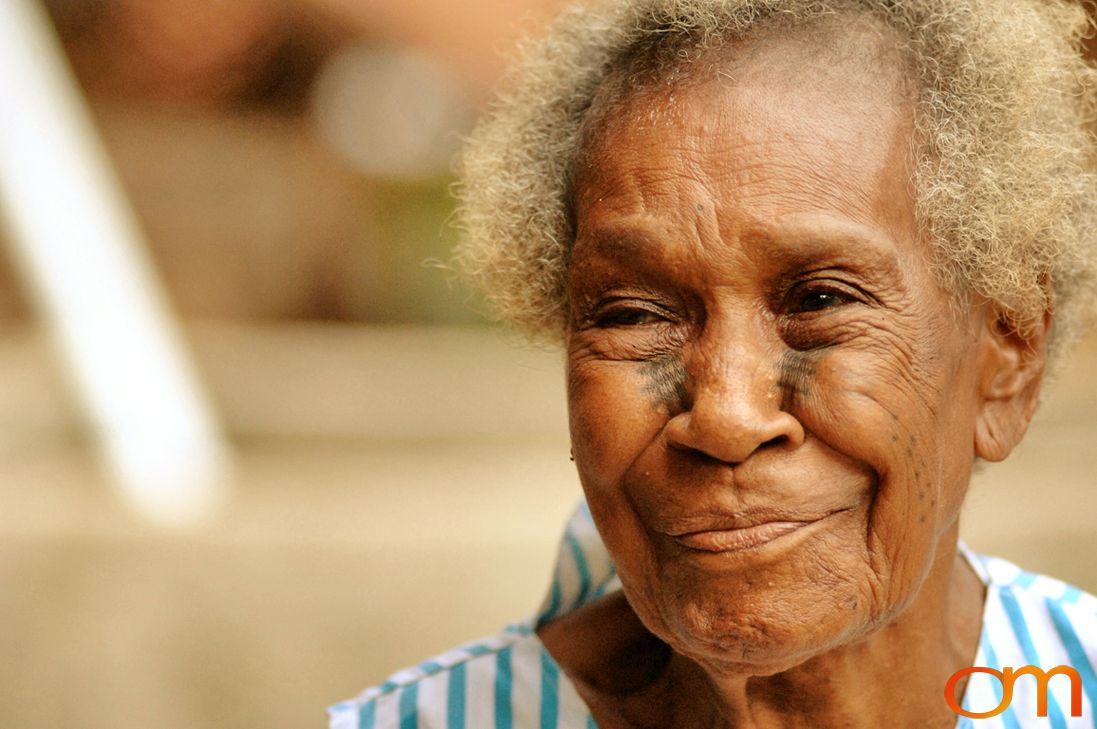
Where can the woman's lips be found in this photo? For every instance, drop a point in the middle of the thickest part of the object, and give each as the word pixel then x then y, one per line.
pixel 734 540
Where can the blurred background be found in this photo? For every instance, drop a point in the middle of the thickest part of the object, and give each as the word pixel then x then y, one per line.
pixel 380 472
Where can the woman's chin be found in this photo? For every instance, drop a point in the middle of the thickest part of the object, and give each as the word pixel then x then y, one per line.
pixel 760 642
pixel 743 656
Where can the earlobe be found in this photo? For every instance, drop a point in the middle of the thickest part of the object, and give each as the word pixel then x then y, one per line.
pixel 1012 360
pixel 997 431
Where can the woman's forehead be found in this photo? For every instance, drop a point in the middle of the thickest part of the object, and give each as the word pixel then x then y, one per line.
pixel 751 151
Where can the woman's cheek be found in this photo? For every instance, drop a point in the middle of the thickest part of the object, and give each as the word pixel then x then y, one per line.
pixel 883 414
pixel 611 418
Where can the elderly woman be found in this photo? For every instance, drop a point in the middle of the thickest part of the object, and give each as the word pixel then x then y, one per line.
pixel 809 260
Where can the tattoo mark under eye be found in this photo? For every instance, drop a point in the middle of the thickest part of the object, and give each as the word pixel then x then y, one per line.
pixel 795 371
pixel 666 382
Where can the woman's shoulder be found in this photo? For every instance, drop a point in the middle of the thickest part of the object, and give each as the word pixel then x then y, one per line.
pixel 1001 575
pixel 506 680
pixel 431 693
pixel 1034 619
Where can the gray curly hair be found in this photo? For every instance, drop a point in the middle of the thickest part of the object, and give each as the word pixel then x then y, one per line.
pixel 1003 160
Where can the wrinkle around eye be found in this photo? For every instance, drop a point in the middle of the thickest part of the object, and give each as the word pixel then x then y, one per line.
pixel 832 327
pixel 638 342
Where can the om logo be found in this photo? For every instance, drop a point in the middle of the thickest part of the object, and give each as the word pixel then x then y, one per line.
pixel 1007 676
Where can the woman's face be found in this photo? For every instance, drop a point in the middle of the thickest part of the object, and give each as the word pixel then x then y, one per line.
pixel 772 401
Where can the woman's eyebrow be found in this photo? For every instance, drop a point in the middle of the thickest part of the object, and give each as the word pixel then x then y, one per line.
pixel 620 248
pixel 617 241
pixel 809 249
pixel 788 247
pixel 827 241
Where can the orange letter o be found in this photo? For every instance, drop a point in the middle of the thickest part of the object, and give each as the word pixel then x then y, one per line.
pixel 950 693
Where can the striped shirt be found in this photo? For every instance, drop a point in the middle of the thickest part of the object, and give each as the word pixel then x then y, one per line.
pixel 509 680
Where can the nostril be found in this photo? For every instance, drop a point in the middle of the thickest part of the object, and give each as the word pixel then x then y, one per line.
pixel 775 441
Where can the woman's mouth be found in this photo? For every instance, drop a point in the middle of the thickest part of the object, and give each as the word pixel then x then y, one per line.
pixel 734 540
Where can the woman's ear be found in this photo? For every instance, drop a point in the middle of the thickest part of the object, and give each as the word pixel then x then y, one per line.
pixel 1012 360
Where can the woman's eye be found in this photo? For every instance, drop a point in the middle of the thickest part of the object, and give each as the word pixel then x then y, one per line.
pixel 627 317
pixel 817 299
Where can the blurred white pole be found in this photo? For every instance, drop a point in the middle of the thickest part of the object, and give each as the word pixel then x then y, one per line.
pixel 77 243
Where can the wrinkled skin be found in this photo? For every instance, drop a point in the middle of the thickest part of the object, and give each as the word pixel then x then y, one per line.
pixel 757 339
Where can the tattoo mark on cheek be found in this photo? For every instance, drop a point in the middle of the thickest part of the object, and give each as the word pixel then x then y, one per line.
pixel 666 382
pixel 795 371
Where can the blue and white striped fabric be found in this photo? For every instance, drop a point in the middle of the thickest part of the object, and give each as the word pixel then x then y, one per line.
pixel 509 681
pixel 1032 620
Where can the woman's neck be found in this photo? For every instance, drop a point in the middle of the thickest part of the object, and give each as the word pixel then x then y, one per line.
pixel 894 677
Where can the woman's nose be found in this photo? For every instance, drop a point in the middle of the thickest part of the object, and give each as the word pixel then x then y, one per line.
pixel 735 406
